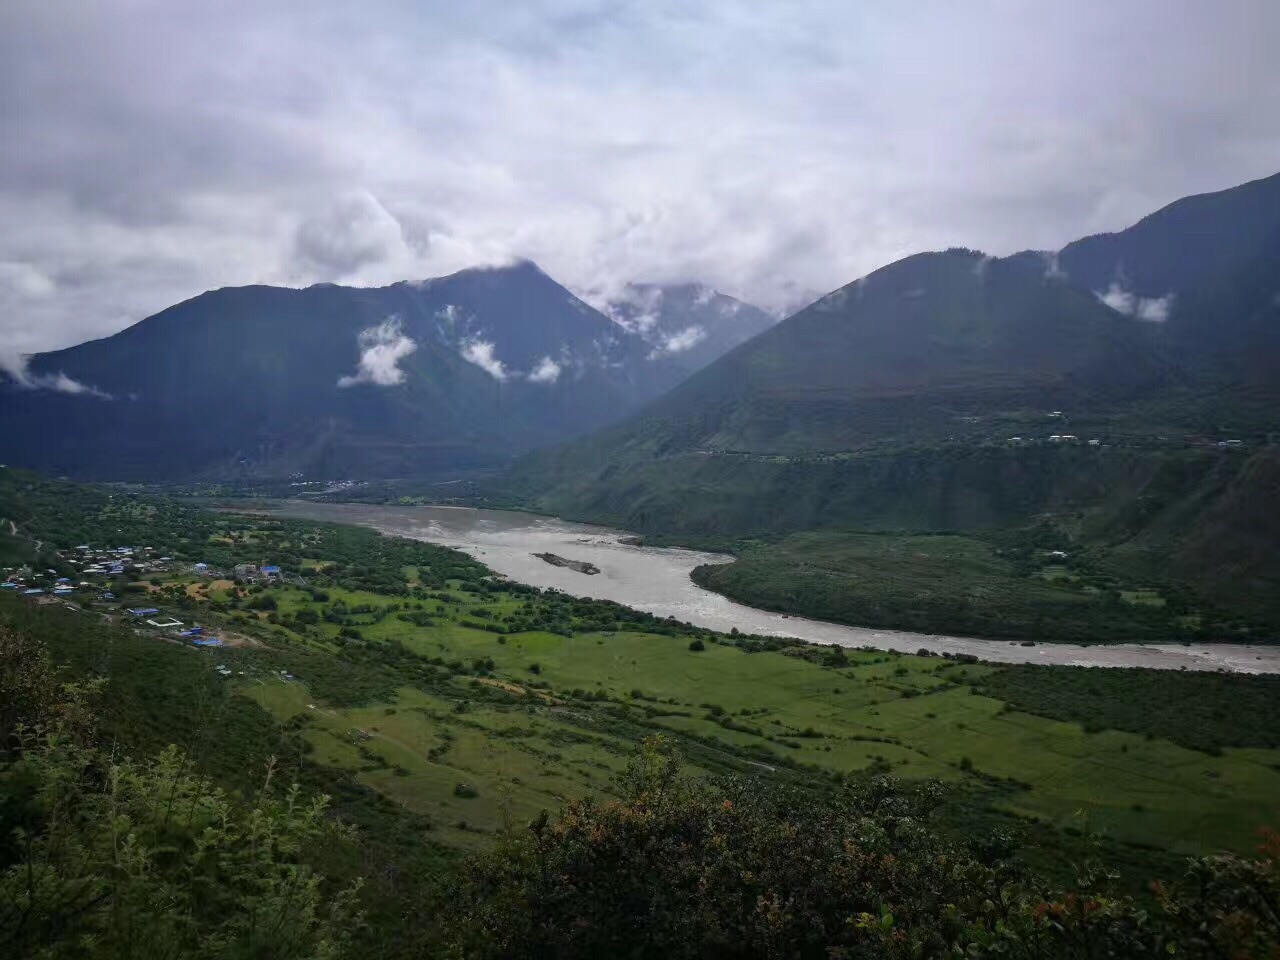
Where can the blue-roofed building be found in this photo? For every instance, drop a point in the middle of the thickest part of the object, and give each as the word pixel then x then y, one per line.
pixel 8 585
pixel 62 591
pixel 271 570
pixel 143 611
pixel 32 592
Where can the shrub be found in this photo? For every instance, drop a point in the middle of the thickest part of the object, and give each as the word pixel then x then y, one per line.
pixel 684 869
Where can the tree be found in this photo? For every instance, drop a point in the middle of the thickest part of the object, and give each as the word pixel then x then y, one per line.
pixel 746 869
pixel 697 646
pixel 108 856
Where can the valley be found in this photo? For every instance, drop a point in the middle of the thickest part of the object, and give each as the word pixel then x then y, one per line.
pixel 578 480
pixel 657 580
pixel 407 670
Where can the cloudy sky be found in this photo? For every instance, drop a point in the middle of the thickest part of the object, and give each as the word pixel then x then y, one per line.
pixel 154 149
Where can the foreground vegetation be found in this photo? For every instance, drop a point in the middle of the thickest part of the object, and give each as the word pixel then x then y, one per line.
pixel 442 711
pixel 107 855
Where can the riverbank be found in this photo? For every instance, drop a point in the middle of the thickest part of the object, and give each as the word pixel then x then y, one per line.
pixel 656 580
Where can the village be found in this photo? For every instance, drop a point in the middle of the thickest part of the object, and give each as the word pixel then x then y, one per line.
pixel 108 579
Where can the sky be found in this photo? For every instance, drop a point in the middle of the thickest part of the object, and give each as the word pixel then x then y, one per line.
pixel 154 149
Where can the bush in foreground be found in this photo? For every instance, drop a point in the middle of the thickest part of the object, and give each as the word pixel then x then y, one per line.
pixel 737 870
pixel 103 856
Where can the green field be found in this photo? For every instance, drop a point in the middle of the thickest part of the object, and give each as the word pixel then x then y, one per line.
pixel 919 717
pixel 406 680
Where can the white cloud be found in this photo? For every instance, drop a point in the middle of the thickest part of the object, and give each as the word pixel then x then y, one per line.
pixel 678 342
pixel 1052 269
pixel 480 352
pixel 1119 299
pixel 546 371
pixel 1152 309
pixel 16 366
pixel 26 280
pixel 381 350
pixel 354 231
pixel 1155 309
pixel 319 144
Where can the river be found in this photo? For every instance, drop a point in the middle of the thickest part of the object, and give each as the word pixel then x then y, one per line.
pixel 656 580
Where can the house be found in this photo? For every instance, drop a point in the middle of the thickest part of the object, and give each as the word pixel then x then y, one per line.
pixel 143 611
pixel 8 585
pixel 270 570
pixel 169 624
pixel 201 568
pixel 31 592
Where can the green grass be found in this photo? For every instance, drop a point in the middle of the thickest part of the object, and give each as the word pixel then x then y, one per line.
pixel 918 717
pixel 411 645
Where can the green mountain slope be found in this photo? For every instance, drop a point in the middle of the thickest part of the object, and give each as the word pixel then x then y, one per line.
pixel 927 396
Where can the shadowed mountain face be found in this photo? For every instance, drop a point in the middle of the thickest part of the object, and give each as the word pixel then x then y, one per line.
pixel 934 394
pixel 1173 324
pixel 1207 268
pixel 912 350
pixel 333 381
pixel 690 324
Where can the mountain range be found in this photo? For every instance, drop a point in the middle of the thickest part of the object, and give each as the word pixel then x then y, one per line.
pixel 335 381
pixel 1126 386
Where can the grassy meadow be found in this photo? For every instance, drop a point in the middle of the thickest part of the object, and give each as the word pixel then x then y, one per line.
pixel 435 700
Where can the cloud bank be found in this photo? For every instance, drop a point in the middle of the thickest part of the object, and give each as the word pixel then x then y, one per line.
pixel 773 151
pixel 381 350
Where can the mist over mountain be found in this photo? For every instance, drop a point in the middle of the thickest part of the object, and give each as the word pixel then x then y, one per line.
pixel 330 380
pixel 689 323
pixel 1129 383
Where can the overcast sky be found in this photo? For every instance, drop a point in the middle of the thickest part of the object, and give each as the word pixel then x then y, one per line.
pixel 153 149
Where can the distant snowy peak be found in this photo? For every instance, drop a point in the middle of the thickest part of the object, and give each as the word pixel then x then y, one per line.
pixel 689 323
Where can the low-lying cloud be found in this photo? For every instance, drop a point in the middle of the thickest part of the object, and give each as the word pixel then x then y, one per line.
pixel 679 342
pixel 480 352
pixel 545 371
pixel 16 367
pixel 1151 309
pixel 381 350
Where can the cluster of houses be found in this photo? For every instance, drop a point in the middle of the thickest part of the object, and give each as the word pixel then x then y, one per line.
pixel 253 573
pixel 91 565
pixel 1055 438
